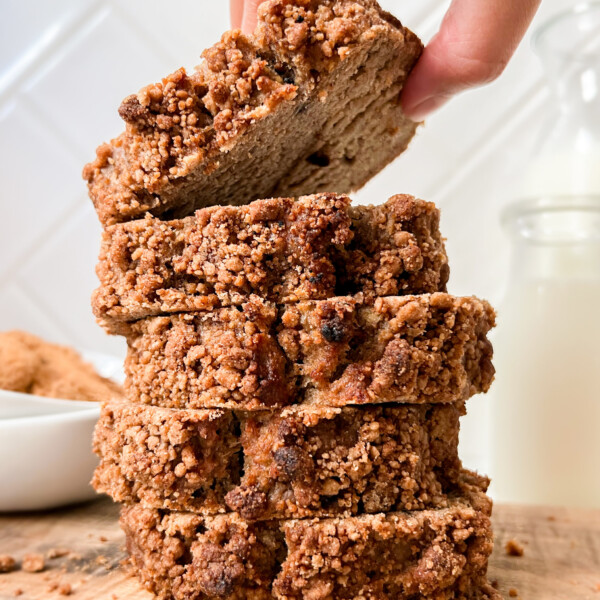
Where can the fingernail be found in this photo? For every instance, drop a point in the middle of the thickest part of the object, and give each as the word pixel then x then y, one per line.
pixel 426 107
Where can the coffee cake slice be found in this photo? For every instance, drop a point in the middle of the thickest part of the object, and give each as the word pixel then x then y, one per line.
pixel 309 103
pixel 298 462
pixel 431 348
pixel 432 554
pixel 280 249
pixel 162 457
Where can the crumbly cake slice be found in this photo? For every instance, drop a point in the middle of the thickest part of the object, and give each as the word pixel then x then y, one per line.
pixel 312 461
pixel 163 457
pixel 294 463
pixel 282 249
pixel 433 554
pixel 431 348
pixel 309 103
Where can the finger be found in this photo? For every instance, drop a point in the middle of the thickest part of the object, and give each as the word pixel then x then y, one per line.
pixel 236 12
pixel 250 13
pixel 474 44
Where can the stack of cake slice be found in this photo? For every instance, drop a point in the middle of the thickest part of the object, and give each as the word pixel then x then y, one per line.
pixel 296 370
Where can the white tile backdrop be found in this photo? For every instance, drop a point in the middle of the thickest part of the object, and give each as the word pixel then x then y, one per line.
pixel 65 65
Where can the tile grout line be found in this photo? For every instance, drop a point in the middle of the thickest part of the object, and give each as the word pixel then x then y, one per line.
pixel 31 291
pixel 53 318
pixel 18 96
pixel 48 318
pixel 10 85
pixel 142 31
pixel 25 100
pixel 69 212
pixel 13 91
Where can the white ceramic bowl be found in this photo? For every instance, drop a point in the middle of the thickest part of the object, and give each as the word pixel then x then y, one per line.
pixel 46 457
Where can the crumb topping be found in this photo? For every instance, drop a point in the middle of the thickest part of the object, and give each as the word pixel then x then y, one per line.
pixel 336 352
pixel 283 250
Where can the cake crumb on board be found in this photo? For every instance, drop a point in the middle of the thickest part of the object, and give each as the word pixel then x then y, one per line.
pixel 33 563
pixel 514 548
pixel 65 589
pixel 7 563
pixel 57 552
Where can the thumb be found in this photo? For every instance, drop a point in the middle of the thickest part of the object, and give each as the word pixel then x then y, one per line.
pixel 474 44
pixel 249 15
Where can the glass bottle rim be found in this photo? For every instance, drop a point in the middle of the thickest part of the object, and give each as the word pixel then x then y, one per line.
pixel 589 7
pixel 548 219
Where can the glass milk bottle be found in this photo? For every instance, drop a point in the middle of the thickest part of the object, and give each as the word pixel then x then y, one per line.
pixel 546 401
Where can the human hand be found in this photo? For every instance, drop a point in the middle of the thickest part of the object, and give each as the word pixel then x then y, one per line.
pixel 476 40
pixel 243 14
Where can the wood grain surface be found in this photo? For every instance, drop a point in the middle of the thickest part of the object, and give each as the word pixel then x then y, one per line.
pixel 561 557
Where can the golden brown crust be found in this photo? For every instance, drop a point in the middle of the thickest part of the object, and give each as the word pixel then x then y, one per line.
pixel 439 554
pixel 296 463
pixel 281 249
pixel 324 92
pixel 431 348
pixel 31 365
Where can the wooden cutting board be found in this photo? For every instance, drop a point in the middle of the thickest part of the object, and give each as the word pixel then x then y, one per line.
pixel 561 554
